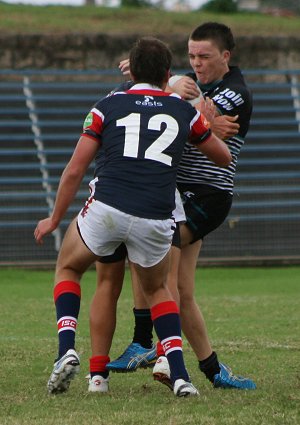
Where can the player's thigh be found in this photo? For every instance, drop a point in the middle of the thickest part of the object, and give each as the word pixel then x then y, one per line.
pixel 110 272
pixel 187 268
pixel 110 278
pixel 153 279
pixel 172 280
pixel 111 268
pixel 139 299
pixel 74 257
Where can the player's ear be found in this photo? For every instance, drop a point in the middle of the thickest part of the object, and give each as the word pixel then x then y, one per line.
pixel 166 79
pixel 226 56
pixel 168 75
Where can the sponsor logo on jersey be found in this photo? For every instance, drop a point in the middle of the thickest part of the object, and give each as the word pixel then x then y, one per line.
pixel 148 101
pixel 228 99
pixel 88 121
pixel 188 194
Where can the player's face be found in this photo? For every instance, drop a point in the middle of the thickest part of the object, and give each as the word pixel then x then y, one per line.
pixel 208 63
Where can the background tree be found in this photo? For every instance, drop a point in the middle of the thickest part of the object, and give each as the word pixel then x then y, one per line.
pixel 135 3
pixel 220 6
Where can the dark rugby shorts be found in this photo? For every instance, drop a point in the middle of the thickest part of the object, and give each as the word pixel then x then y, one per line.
pixel 206 208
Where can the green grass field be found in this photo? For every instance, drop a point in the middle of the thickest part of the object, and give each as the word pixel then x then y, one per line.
pixel 27 19
pixel 253 319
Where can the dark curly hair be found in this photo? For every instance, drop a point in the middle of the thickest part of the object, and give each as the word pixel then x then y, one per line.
pixel 150 61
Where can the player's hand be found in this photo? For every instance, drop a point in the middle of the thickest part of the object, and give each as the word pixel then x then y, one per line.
pixel 225 126
pixel 207 107
pixel 124 67
pixel 43 228
pixel 186 88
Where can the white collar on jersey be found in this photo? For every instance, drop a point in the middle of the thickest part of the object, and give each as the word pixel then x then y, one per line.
pixel 145 86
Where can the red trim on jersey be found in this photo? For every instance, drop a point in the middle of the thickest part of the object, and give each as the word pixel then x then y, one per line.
pixel 200 131
pixel 161 309
pixel 97 123
pixel 66 286
pixel 89 136
pixel 98 363
pixel 148 92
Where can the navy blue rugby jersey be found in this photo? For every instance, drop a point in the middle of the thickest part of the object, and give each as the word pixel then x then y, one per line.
pixel 231 97
pixel 142 132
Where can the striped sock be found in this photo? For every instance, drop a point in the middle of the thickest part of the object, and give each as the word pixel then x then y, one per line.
pixel 67 302
pixel 166 321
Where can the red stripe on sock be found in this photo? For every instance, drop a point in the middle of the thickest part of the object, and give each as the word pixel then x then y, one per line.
pixel 66 286
pixel 67 323
pixel 171 344
pixel 163 308
pixel 98 363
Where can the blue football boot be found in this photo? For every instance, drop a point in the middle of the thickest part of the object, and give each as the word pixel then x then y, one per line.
pixel 226 379
pixel 134 356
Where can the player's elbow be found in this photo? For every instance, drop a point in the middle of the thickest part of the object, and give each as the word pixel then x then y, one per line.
pixel 224 160
pixel 73 173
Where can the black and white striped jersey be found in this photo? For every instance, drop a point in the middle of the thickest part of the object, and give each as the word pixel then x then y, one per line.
pixel 232 97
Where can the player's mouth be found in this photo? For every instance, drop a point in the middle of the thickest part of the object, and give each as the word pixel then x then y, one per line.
pixel 201 76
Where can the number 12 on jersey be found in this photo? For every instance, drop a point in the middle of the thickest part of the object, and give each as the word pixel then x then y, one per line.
pixel 132 124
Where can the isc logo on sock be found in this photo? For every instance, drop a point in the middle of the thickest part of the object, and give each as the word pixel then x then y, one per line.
pixel 172 344
pixel 66 323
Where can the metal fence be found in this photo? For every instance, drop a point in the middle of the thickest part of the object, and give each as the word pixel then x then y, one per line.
pixel 41 119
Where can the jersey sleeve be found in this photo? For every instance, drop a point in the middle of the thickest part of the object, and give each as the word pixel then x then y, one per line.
pixel 199 130
pixel 93 124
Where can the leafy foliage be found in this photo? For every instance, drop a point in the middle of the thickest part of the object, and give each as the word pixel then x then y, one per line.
pixel 220 6
pixel 135 3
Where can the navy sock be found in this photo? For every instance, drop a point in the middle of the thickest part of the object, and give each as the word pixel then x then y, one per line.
pixel 67 303
pixel 167 325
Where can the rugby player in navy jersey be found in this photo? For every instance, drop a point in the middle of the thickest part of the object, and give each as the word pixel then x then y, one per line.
pixel 142 132
pixel 207 194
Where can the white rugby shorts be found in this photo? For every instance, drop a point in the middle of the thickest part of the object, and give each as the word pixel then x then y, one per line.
pixel 103 228
pixel 178 213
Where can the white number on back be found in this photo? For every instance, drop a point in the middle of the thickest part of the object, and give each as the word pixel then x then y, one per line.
pixel 154 152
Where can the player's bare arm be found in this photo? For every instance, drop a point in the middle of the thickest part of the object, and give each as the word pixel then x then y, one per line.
pixel 216 151
pixel 71 178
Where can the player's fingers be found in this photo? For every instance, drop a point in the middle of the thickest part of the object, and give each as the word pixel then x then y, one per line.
pixel 38 235
pixel 232 119
pixel 124 66
pixel 39 239
pixel 191 86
